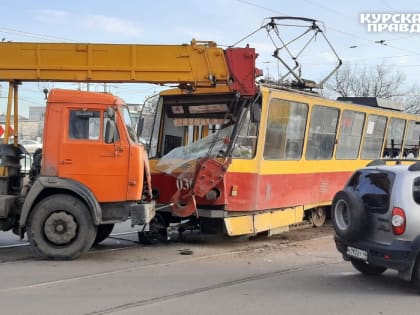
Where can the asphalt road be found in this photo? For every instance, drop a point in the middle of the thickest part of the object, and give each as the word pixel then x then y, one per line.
pixel 295 273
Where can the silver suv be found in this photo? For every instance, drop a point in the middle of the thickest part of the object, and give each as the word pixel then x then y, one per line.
pixel 376 218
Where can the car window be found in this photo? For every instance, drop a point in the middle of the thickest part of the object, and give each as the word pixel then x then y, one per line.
pixel 416 190
pixel 374 188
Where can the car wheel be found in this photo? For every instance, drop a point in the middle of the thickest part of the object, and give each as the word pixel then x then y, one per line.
pixel 366 268
pixel 61 227
pixel 348 215
pixel 415 278
pixel 103 231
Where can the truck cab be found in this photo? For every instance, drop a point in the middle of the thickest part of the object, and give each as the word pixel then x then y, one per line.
pixel 93 174
pixel 81 145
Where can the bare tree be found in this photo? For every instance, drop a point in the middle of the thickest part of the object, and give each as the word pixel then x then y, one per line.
pixel 379 81
pixel 411 100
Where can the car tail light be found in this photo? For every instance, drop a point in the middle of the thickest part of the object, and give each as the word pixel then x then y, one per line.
pixel 398 221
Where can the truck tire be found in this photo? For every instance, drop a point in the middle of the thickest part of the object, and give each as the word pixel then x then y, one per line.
pixel 103 232
pixel 348 215
pixel 60 227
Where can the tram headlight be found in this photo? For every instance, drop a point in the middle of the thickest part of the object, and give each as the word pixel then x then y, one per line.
pixel 213 194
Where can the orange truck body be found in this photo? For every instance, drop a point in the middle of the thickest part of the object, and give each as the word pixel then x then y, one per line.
pixel 113 172
pixel 93 174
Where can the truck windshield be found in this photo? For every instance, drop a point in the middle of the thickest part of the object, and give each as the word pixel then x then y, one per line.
pixel 129 124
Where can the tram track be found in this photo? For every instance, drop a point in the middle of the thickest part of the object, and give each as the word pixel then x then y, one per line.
pixel 151 265
pixel 120 270
pixel 164 298
pixel 114 236
pixel 11 257
pixel 164 262
pixel 14 245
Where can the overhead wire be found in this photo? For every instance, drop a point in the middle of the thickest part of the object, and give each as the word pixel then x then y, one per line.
pixel 260 6
pixel 337 30
pixel 33 35
pixel 328 8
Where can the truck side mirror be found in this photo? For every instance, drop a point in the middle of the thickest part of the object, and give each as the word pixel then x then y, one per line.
pixel 110 130
pixel 139 127
pixel 110 112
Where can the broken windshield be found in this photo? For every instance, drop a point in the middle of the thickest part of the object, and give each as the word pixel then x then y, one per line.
pixel 215 145
pixel 182 158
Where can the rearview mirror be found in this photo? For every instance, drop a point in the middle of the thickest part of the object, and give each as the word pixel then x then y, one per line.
pixel 110 130
pixel 139 127
pixel 110 112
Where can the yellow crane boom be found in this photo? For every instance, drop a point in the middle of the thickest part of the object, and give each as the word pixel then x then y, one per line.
pixel 199 64
pixel 195 65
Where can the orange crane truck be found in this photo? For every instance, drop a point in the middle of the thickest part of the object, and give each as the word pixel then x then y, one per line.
pixel 93 172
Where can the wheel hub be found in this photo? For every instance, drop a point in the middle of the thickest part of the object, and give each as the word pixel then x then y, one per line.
pixel 60 228
pixel 341 214
pixel 319 216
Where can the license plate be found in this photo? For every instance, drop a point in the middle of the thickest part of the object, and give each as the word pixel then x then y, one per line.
pixel 357 253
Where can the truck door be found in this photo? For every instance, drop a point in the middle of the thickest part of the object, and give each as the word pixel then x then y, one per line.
pixel 85 156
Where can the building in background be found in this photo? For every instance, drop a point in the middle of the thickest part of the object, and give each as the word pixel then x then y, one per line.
pixel 36 113
pixel 32 127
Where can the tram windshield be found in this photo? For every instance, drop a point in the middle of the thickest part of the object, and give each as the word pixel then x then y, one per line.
pixel 208 126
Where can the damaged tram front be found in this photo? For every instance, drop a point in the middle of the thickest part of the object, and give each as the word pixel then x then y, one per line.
pixel 193 141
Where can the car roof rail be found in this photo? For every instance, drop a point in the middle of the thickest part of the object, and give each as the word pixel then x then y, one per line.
pixel 379 162
pixel 376 162
pixel 414 166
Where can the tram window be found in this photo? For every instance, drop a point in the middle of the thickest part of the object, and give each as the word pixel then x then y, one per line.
pixel 411 147
pixel 247 139
pixel 373 137
pixel 350 135
pixel 322 133
pixel 285 130
pixel 394 138
pixel 173 136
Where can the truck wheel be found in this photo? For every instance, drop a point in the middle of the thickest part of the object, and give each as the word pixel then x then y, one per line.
pixel 103 232
pixel 348 215
pixel 367 269
pixel 61 227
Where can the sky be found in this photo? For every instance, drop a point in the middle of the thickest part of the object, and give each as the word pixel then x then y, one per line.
pixel 224 21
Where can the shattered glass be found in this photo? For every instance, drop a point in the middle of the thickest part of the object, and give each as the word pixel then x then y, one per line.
pixel 183 159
